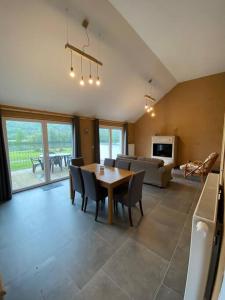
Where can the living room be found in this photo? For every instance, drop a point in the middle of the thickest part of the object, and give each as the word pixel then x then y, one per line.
pixel 89 89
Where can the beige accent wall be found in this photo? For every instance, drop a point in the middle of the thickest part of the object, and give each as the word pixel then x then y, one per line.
pixel 131 130
pixel 87 139
pixel 194 111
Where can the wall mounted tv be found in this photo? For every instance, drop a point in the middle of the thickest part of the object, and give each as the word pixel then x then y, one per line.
pixel 163 150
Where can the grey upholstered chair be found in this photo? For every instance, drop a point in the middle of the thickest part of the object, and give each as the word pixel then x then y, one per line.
pixel 122 164
pixel 109 162
pixel 79 161
pixel 78 183
pixel 129 197
pixel 93 190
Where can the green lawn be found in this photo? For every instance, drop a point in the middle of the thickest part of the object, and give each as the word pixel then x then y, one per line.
pixel 20 160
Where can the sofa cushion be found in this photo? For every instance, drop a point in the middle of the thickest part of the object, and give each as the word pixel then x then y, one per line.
pixel 153 161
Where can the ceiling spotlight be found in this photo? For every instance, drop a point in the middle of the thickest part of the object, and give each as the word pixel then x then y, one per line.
pixel 82 81
pixel 98 82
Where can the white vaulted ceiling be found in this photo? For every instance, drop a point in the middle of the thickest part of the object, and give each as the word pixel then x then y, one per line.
pixel 168 41
pixel 188 36
pixel 34 65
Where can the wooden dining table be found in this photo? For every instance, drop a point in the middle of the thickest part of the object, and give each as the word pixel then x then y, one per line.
pixel 108 178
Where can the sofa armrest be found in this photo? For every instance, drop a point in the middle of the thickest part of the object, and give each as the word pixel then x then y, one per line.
pixel 166 168
pixel 165 173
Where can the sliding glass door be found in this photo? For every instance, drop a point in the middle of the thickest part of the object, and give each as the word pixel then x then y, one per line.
pixel 59 149
pixel 39 152
pixel 25 153
pixel 111 142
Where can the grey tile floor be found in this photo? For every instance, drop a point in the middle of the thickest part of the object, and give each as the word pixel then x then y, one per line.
pixel 49 249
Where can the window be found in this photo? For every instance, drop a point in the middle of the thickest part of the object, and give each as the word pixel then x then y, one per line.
pixel 111 142
pixel 38 151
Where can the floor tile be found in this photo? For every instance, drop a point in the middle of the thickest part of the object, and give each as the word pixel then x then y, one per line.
pixel 101 287
pixel 48 281
pixel 169 217
pixel 157 237
pixel 83 257
pixel 166 293
pixel 130 269
pixel 176 275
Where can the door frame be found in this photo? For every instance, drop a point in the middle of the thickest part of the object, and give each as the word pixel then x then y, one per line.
pixel 45 151
pixel 110 137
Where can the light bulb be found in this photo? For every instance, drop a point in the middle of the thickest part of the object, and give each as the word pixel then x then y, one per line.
pixel 146 106
pixel 148 110
pixel 153 114
pixel 90 80
pixel 98 82
pixel 82 81
pixel 72 74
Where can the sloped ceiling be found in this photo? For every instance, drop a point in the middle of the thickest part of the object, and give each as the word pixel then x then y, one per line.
pixel 34 65
pixel 188 36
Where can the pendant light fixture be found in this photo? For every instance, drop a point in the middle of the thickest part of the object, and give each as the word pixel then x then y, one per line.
pixel 98 82
pixel 81 70
pixel 149 103
pixel 90 80
pixel 72 74
pixel 83 55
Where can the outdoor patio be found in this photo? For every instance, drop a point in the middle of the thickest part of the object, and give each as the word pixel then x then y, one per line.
pixel 26 177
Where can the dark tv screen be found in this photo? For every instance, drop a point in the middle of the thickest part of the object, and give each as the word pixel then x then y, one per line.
pixel 164 150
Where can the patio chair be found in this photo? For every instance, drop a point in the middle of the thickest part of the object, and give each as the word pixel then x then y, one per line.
pixel 35 163
pixel 199 168
pixel 55 161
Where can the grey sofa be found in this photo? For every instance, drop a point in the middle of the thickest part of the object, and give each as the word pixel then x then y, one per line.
pixel 156 173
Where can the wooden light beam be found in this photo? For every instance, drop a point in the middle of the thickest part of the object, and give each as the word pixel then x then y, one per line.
pixel 82 53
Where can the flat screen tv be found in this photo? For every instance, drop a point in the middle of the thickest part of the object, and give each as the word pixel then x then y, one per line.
pixel 163 150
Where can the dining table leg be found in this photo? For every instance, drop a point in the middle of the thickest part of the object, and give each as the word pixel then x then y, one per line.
pixel 110 205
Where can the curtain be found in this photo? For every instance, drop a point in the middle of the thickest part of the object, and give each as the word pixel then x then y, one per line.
pixel 96 142
pixel 125 131
pixel 76 137
pixel 5 184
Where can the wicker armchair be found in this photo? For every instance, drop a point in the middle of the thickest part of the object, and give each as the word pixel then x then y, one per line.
pixel 199 168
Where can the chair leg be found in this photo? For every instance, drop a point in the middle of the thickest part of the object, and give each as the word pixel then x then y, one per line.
pixel 85 205
pixel 130 216
pixel 73 198
pixel 141 209
pixel 114 206
pixel 96 212
pixel 83 200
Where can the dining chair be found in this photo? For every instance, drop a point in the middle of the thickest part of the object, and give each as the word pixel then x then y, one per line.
pixel 122 164
pixel 79 161
pixel 109 162
pixel 78 183
pixel 129 197
pixel 93 190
